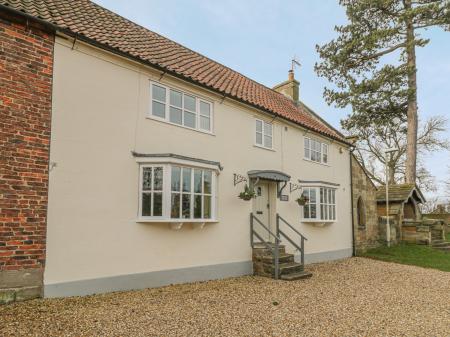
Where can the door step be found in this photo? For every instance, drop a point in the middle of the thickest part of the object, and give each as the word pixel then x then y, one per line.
pixel 296 276
pixel 264 264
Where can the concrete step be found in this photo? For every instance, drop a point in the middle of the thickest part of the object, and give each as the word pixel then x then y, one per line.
pixel 270 259
pixel 437 241
pixel 444 249
pixel 296 276
pixel 285 268
pixel 441 244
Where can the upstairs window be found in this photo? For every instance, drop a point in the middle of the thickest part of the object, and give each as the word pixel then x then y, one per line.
pixel 264 136
pixel 321 204
pixel 316 151
pixel 176 107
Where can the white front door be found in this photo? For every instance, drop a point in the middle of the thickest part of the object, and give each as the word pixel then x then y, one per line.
pixel 261 209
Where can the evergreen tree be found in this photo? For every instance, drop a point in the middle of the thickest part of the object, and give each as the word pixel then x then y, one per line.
pixel 372 63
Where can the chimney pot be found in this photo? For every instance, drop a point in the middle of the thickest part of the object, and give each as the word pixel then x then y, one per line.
pixel 291 75
pixel 289 88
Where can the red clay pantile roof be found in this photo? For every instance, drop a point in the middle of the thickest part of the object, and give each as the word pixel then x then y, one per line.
pixel 94 23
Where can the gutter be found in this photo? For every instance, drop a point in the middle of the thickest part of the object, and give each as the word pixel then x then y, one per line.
pixel 352 203
pixel 110 49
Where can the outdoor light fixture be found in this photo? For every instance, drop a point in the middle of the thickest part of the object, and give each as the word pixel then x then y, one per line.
pixel 388 225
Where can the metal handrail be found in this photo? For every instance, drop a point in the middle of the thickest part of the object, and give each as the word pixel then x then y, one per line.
pixel 291 227
pixel 275 250
pixel 301 248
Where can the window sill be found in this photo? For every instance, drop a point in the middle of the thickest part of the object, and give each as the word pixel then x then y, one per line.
pixel 316 162
pixel 175 220
pixel 319 223
pixel 177 224
pixel 264 148
pixel 162 120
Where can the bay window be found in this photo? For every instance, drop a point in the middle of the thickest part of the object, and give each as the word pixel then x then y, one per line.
pixel 177 107
pixel 320 205
pixel 176 192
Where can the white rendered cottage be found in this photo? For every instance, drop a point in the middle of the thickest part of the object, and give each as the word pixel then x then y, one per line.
pixel 152 143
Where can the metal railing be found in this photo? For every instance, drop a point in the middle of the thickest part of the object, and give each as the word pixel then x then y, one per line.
pixel 279 233
pixel 275 248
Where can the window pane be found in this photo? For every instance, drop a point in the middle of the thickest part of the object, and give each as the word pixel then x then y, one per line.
pixel 259 126
pixel 197 206
pixel 333 196
pixel 157 204
pixel 189 119
pixel 322 214
pixel 147 178
pixel 186 206
pixel 207 181
pixel 175 206
pixel 307 146
pixel 205 109
pixel 313 211
pixel 198 181
pixel 268 141
pixel 189 103
pixel 205 123
pixel 259 138
pixel 186 179
pixel 176 98
pixel 175 115
pixel 307 154
pixel 176 181
pixel 321 195
pixel 325 158
pixel 268 129
pixel 158 109
pixel 159 93
pixel 313 195
pixel 146 204
pixel 207 207
pixel 158 176
pixel 306 211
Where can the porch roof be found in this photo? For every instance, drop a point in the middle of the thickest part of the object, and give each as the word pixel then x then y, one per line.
pixel 269 175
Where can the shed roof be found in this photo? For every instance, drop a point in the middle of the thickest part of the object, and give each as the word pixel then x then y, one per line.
pixel 400 193
pixel 96 25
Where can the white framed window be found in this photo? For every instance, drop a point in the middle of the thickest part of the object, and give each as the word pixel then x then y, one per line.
pixel 316 151
pixel 175 192
pixel 177 107
pixel 321 204
pixel 264 134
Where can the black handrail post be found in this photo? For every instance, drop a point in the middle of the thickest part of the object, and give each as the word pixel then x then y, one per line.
pixel 251 230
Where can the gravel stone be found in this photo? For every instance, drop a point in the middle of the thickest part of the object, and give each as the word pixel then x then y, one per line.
pixel 351 297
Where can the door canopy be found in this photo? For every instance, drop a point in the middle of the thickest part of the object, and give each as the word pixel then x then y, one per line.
pixel 269 175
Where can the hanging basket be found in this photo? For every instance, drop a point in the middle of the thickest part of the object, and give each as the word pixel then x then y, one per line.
pixel 247 194
pixel 302 200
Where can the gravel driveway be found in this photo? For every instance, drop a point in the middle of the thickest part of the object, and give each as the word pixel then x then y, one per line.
pixel 352 297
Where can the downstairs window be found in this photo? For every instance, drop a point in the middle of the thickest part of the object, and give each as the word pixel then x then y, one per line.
pixel 176 192
pixel 321 204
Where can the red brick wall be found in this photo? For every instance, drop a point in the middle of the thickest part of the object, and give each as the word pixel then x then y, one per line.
pixel 26 67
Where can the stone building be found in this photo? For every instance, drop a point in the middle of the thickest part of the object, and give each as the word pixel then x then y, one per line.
pixel 404 211
pixel 365 218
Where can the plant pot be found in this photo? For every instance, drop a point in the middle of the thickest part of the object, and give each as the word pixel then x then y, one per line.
pixel 245 197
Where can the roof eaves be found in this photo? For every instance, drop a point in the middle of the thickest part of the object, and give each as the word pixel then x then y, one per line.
pixel 83 38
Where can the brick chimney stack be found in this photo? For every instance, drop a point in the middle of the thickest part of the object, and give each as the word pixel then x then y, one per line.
pixel 289 88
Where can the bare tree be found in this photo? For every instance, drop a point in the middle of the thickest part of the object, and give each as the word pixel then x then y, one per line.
pixel 373 140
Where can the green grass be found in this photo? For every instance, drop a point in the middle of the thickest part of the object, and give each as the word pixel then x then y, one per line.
pixel 417 255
